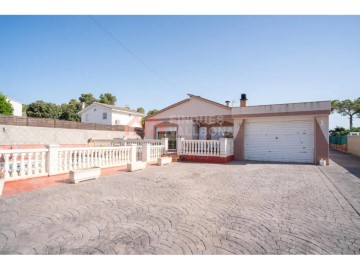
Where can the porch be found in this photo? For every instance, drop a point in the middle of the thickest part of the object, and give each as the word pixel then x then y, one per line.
pixel 212 151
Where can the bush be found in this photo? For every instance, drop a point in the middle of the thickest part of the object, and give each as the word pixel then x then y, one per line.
pixel 340 131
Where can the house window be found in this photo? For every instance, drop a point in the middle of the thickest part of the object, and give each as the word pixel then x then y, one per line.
pixel 104 115
pixel 86 117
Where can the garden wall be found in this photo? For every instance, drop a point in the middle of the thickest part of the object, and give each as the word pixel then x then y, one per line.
pixel 353 146
pixel 10 135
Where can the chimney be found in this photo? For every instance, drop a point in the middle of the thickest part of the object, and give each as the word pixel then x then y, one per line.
pixel 227 103
pixel 243 100
pixel 83 105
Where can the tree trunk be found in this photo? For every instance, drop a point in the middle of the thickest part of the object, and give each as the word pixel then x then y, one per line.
pixel 351 121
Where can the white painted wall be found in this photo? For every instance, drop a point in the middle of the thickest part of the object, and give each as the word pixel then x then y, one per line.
pixel 17 107
pixel 123 118
pixel 95 115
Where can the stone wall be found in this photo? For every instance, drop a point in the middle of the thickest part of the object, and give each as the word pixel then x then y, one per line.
pixel 353 146
pixel 40 135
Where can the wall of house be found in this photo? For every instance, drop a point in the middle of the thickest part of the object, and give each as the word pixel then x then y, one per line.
pixel 40 135
pixel 125 119
pixel 184 128
pixel 194 107
pixel 183 115
pixel 354 145
pixel 95 115
pixel 284 108
pixel 17 107
pixel 321 131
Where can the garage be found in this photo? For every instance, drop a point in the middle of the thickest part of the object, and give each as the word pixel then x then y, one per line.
pixel 279 141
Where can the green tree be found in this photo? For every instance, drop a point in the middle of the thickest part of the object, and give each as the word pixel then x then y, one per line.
pixel 42 109
pixel 338 131
pixel 88 98
pixel 70 111
pixel 108 98
pixel 140 110
pixel 347 107
pixel 149 113
pixel 24 108
pixel 5 106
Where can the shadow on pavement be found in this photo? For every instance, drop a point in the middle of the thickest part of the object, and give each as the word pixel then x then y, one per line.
pixel 349 162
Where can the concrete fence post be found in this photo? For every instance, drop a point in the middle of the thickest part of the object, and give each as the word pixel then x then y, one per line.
pixel 165 142
pixel 224 145
pixel 146 152
pixel 179 145
pixel 133 153
pixel 52 159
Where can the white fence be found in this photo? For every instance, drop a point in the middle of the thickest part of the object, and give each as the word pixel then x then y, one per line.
pixel 141 142
pixel 201 148
pixel 20 164
pixel 156 151
pixel 81 158
pixel 23 164
pixel 220 148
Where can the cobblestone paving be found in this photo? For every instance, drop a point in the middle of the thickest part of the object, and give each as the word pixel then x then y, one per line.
pixel 344 174
pixel 185 208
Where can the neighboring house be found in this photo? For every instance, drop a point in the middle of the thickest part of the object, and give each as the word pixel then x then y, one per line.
pixel 292 132
pixel 101 113
pixel 17 107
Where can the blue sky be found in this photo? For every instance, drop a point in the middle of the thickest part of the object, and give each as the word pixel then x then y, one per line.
pixel 273 59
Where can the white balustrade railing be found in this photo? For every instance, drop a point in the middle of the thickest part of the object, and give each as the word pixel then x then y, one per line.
pixel 139 150
pixel 201 147
pixel 143 141
pixel 156 151
pixel 221 148
pixel 20 164
pixel 88 157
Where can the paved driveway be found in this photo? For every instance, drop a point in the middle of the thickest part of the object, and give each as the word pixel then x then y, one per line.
pixel 186 208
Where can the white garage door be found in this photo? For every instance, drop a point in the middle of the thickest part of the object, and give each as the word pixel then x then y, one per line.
pixel 283 141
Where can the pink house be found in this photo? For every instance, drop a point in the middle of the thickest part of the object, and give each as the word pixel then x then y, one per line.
pixel 291 132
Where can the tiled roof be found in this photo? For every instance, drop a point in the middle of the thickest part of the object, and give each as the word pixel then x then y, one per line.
pixel 117 107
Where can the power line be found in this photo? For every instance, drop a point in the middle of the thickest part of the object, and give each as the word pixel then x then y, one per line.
pixel 131 52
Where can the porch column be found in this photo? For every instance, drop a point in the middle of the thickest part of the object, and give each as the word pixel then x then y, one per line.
pixel 179 145
pixel 145 156
pixel 224 147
